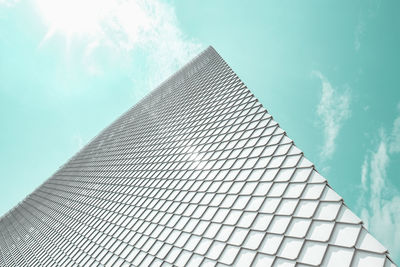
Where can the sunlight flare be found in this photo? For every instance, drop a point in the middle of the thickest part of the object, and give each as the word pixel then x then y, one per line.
pixel 96 18
pixel 73 16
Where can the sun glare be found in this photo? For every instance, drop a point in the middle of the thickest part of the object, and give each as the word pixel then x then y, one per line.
pixel 98 18
pixel 72 16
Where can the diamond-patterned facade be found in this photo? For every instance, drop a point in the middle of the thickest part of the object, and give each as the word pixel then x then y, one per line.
pixel 197 173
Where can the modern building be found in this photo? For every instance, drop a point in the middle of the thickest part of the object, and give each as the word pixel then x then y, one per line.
pixel 196 173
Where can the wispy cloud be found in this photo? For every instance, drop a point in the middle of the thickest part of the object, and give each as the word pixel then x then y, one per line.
pixel 364 174
pixel 358 33
pixel 333 109
pixel 380 202
pixel 366 14
pixel 150 28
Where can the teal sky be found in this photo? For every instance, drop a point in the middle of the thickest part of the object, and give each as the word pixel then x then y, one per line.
pixel 326 70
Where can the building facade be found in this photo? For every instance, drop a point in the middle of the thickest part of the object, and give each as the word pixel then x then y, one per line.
pixel 197 173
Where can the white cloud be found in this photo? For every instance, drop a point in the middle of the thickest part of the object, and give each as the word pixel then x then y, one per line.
pixel 161 39
pixel 380 201
pixel 333 109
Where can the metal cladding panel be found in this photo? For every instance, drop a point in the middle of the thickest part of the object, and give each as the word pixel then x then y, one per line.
pixel 197 173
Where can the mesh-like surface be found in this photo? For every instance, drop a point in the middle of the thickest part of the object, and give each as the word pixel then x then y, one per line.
pixel 196 173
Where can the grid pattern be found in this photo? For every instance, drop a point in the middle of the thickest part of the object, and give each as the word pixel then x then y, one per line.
pixel 197 173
